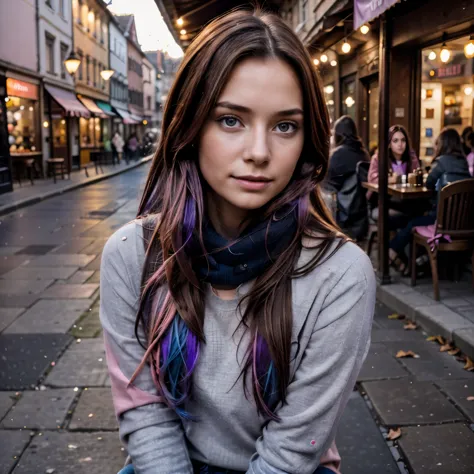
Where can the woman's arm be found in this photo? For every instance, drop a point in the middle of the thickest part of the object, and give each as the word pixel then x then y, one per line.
pixel 374 170
pixel 151 431
pixel 436 172
pixel 335 177
pixel 324 380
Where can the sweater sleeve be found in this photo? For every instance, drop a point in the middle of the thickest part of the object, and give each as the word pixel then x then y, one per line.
pixel 435 173
pixel 151 431
pixel 324 380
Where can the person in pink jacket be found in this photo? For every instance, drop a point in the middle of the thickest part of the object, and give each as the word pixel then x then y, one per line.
pixel 403 159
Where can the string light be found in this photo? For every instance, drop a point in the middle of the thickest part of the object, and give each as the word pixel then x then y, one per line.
pixel 364 29
pixel 445 54
pixel 432 56
pixel 324 58
pixel 180 22
pixel 333 63
pixel 182 32
pixel 346 47
pixel 469 48
pixel 316 61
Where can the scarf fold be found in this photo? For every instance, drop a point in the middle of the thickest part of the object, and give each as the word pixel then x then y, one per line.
pixel 231 264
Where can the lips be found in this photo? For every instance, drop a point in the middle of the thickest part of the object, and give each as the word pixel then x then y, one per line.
pixel 255 179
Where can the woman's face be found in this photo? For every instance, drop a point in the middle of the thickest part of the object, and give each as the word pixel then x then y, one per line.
pixel 253 138
pixel 398 144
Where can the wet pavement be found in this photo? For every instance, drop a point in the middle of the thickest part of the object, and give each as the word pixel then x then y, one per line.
pixel 56 414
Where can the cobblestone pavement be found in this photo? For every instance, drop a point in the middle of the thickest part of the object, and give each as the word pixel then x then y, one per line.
pixel 56 413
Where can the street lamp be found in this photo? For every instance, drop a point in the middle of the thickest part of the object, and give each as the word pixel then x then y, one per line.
pixel 106 74
pixel 72 63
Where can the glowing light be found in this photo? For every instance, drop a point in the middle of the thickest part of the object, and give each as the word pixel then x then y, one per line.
pixel 349 101
pixel 63 122
pixel 180 22
pixel 324 58
pixel 182 32
pixel 106 74
pixel 346 47
pixel 45 124
pixel 468 90
pixel 7 99
pixel 469 49
pixel 31 109
pixel 432 56
pixel 145 122
pixel 330 102
pixel 333 63
pixel 91 16
pixel 445 54
pixel 316 61
pixel 423 94
pixel 329 89
pixel 432 73
pixel 22 107
pixel 364 29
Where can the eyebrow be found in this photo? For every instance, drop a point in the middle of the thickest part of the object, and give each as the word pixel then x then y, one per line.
pixel 241 108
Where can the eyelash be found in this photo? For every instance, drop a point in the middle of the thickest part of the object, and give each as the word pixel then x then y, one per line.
pixel 222 119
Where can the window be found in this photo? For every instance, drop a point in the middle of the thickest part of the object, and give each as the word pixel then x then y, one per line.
pixel 94 72
pixel 304 11
pixel 148 102
pixel 75 11
pixel 49 3
pixel 88 69
pixel 115 46
pixel 49 53
pixel 81 66
pixel 62 7
pixel 64 50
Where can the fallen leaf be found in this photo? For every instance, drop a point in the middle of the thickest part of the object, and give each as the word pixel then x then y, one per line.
pixel 469 365
pixel 394 434
pixel 401 354
pixel 446 347
pixel 470 399
pixel 396 316
pixel 438 339
pixel 454 351
pixel 410 325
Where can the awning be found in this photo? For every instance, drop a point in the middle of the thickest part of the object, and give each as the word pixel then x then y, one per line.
pixel 93 107
pixel 125 114
pixel 366 10
pixel 106 108
pixel 136 118
pixel 68 101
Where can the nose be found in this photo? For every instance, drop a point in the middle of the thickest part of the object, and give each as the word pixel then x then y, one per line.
pixel 257 149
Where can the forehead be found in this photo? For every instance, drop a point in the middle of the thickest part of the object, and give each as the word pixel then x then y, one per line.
pixel 264 85
pixel 398 135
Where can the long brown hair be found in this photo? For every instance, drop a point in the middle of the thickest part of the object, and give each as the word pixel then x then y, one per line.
pixel 406 157
pixel 172 297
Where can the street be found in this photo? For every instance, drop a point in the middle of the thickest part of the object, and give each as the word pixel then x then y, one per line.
pixel 56 414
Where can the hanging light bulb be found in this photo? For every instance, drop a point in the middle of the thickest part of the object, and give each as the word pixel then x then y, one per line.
pixel 316 61
pixel 469 48
pixel 180 22
pixel 432 56
pixel 329 89
pixel 333 63
pixel 445 54
pixel 349 101
pixel 468 90
pixel 182 32
pixel 346 47
pixel 324 58
pixel 364 29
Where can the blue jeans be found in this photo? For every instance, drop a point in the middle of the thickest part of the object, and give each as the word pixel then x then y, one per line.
pixel 403 237
pixel 129 470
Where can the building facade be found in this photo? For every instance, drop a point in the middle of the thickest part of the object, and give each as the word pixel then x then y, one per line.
pixel 119 81
pixel 149 80
pixel 20 90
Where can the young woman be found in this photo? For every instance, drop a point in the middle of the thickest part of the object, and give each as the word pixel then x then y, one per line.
pixel 449 165
pixel 342 178
pixel 235 340
pixel 466 146
pixel 403 159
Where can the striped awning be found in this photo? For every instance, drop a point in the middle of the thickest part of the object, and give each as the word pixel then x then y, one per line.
pixel 92 107
pixel 68 101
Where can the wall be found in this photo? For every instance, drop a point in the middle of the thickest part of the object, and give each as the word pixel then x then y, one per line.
pixel 51 21
pixel 149 78
pixel 18 40
pixel 118 61
pixel 90 45
pixel 135 81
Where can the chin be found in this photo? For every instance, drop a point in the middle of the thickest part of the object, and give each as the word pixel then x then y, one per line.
pixel 251 203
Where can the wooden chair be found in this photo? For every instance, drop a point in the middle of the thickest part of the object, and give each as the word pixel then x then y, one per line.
pixel 456 219
pixel 56 166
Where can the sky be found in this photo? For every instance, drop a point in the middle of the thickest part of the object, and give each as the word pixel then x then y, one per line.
pixel 152 31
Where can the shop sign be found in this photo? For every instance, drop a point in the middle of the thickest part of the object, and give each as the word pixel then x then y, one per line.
pixel 450 71
pixel 366 10
pixel 22 89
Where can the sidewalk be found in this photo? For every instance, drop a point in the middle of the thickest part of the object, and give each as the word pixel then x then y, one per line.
pixel 28 194
pixel 452 317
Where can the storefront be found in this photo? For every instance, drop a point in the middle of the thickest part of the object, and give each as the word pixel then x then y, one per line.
pixel 94 132
pixel 447 91
pixel 63 111
pixel 5 159
pixel 23 123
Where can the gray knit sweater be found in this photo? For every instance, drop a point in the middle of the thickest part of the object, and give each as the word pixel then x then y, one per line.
pixel 332 316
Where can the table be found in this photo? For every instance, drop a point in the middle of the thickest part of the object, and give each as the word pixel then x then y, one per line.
pixel 402 192
pixel 22 161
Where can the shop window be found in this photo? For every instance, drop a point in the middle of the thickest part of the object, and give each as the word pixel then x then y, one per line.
pixel 22 123
pixel 447 92
pixel 90 132
pixel 348 96
pixel 64 51
pixel 50 40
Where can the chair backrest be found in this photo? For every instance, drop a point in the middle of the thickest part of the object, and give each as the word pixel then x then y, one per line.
pixel 362 170
pixel 456 209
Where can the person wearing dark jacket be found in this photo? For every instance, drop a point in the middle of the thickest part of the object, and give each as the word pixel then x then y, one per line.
pixel 342 178
pixel 448 166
